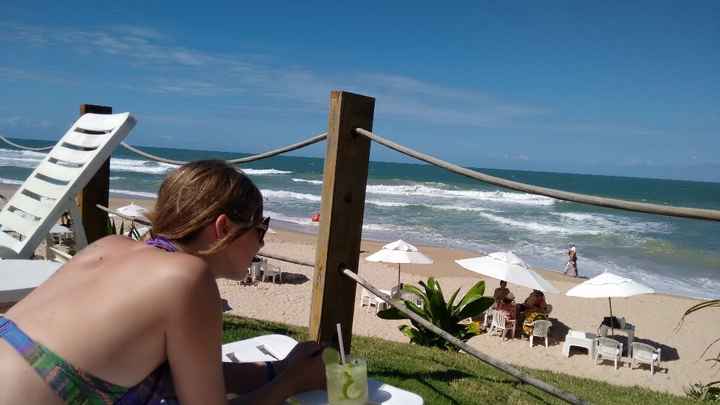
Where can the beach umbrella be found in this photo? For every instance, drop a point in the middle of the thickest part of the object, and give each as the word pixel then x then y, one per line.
pixel 134 211
pixel 399 252
pixel 608 285
pixel 509 267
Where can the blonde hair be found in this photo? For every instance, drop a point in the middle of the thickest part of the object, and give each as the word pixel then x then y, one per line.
pixel 195 194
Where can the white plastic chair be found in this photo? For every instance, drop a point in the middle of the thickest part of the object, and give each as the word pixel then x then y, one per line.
pixel 540 329
pixel 271 270
pixel 576 338
pixel 645 354
pixel 607 349
pixel 500 323
pixel 28 216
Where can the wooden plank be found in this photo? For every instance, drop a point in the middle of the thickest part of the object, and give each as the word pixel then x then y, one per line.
pixel 341 216
pixel 97 190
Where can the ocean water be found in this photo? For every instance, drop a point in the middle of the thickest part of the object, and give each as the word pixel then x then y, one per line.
pixel 426 205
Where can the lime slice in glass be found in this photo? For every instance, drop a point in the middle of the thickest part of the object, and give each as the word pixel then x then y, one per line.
pixel 353 390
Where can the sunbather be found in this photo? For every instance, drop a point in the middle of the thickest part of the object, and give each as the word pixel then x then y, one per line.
pixel 132 322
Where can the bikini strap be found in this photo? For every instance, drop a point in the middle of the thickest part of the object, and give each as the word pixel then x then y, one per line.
pixel 163 243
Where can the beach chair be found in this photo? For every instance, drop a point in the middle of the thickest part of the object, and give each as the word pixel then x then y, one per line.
pixel 29 215
pixel 541 328
pixel 26 219
pixel 607 349
pixel 272 271
pixel 576 338
pixel 645 354
pixel 501 323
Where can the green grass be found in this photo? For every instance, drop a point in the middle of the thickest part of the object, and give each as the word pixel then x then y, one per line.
pixel 452 378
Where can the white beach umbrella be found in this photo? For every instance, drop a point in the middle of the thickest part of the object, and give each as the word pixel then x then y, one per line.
pixel 509 267
pixel 60 230
pixel 134 211
pixel 399 252
pixel 608 285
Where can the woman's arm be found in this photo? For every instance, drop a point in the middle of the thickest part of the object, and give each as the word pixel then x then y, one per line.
pixel 302 370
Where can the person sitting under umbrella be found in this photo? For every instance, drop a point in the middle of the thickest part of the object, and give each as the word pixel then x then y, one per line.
pixel 535 308
pixel 501 292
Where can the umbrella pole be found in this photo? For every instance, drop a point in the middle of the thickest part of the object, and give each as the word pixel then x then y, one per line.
pixel 398 284
pixel 611 317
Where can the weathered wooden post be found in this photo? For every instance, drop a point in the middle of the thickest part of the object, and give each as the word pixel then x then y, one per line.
pixel 97 190
pixel 341 216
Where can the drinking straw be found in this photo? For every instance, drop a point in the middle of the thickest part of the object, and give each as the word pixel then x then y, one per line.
pixel 342 347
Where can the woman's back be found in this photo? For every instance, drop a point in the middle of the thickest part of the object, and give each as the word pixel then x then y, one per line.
pixel 122 288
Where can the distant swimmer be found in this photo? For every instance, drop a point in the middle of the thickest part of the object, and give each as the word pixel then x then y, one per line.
pixel 571 266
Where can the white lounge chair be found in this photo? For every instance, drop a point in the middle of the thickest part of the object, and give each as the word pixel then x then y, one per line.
pixel 541 328
pixel 26 219
pixel 608 349
pixel 28 216
pixel 645 354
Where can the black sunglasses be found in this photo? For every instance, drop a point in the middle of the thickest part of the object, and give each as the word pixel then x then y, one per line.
pixel 262 228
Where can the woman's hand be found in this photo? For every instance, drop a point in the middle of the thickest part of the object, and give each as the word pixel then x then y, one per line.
pixel 304 367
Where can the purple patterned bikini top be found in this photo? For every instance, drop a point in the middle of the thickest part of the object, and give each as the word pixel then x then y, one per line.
pixel 163 243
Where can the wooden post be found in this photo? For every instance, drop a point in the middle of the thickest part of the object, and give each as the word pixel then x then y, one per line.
pixel 341 216
pixel 97 190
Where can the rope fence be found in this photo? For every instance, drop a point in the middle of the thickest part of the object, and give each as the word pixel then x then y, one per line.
pixel 274 152
pixel 289 148
pixel 11 143
pixel 683 212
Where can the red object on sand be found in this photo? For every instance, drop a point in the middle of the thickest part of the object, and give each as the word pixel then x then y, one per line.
pixel 315 217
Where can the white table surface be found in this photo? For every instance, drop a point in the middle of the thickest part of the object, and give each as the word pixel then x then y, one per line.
pixel 19 277
pixel 280 346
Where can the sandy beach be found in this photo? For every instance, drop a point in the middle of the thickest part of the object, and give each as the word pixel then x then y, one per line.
pixel 656 317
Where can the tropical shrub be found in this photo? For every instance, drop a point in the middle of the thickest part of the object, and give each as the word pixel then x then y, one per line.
pixel 708 391
pixel 445 315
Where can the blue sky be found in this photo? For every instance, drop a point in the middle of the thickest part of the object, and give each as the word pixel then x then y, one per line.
pixel 600 87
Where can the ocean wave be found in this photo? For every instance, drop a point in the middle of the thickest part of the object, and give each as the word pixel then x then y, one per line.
pixel 380 203
pixel 264 172
pixel 285 195
pixel 142 194
pixel 10 181
pixel 538 227
pixel 458 208
pixel 318 182
pixel 20 158
pixel 616 223
pixel 306 221
pixel 139 166
pixel 503 197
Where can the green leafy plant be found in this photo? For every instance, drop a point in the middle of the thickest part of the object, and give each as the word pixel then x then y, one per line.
pixel 445 315
pixel 709 391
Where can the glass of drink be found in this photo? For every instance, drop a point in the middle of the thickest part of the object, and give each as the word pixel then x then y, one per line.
pixel 347 383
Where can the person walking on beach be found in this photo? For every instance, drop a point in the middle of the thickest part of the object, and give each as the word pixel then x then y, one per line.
pixel 571 266
pixel 136 322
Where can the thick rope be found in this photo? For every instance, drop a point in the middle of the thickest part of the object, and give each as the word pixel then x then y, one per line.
pixel 248 159
pixel 500 365
pixel 683 212
pixel 11 143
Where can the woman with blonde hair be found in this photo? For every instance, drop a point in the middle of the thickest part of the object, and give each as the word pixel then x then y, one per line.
pixel 133 322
